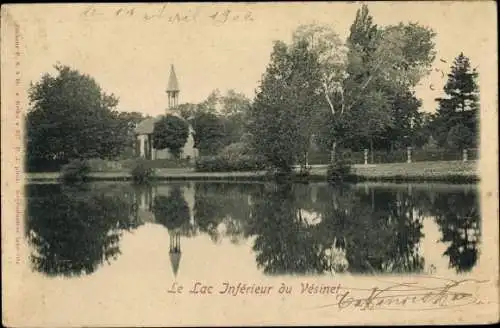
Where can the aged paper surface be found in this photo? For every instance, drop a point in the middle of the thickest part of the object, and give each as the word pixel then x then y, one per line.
pixel 129 50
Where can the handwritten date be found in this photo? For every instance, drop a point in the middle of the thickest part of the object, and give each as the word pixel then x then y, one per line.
pixel 216 17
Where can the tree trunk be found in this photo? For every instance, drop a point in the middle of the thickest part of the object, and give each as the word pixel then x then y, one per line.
pixel 371 149
pixel 373 199
pixel 333 152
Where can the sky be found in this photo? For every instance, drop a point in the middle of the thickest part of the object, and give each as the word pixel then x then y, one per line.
pixel 129 48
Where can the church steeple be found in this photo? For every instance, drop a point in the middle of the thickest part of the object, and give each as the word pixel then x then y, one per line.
pixel 172 89
pixel 175 250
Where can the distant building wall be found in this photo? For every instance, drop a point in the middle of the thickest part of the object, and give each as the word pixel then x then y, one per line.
pixel 188 151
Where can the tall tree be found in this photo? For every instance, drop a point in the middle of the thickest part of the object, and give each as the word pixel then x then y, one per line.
pixel 374 61
pixel 269 123
pixel 71 117
pixel 217 121
pixel 209 136
pixel 126 123
pixel 457 115
pixel 280 119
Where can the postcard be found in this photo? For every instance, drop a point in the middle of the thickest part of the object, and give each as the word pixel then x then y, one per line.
pixel 218 164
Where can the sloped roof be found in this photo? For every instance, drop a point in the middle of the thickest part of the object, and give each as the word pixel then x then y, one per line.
pixel 173 84
pixel 147 126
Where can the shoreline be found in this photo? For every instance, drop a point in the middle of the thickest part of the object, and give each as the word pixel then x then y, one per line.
pixel 449 172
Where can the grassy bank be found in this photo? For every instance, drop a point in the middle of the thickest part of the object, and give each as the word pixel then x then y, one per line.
pixel 450 171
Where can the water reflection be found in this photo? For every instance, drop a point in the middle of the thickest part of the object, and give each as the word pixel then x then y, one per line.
pixel 457 214
pixel 74 230
pixel 294 229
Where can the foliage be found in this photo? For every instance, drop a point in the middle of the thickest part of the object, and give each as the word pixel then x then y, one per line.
pixel 293 228
pixel 283 243
pixel 142 173
pixel 280 120
pixel 157 163
pixel 217 121
pixel 227 164
pixel 209 133
pixel 457 114
pixel 75 171
pixel 458 217
pixel 125 127
pixel 171 211
pixel 366 82
pixel 170 132
pixel 339 170
pixel 217 203
pixel 235 150
pixel 71 117
pixel 73 230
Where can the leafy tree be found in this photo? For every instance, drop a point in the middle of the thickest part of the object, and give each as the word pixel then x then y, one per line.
pixel 280 119
pixel 407 121
pixel 217 121
pixel 379 63
pixel 459 137
pixel 388 61
pixel 457 115
pixel 71 117
pixel 331 54
pixel 126 123
pixel 209 135
pixel 170 132
pixel 234 103
pixel 212 103
pixel 235 108
pixel 187 110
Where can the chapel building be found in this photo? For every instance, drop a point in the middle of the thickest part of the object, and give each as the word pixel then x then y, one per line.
pixel 144 130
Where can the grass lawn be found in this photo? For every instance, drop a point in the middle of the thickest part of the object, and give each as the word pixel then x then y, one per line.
pixel 412 171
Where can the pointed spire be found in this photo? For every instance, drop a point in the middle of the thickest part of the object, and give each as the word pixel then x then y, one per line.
pixel 175 259
pixel 173 84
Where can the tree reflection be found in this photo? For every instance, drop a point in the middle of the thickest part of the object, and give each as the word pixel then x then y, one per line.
pixel 457 214
pixel 73 230
pixel 296 229
pixel 283 242
pixel 378 232
pixel 223 209
pixel 172 211
pixel 392 228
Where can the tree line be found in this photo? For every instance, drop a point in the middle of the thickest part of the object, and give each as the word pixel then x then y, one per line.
pixel 358 94
pixel 317 90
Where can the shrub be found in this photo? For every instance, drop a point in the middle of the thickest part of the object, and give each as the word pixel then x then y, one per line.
pixel 234 150
pixel 338 171
pixel 141 173
pixel 224 164
pixel 75 171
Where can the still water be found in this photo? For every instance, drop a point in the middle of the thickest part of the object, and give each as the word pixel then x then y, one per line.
pixel 268 229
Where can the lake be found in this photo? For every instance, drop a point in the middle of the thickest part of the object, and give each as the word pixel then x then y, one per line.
pixel 192 230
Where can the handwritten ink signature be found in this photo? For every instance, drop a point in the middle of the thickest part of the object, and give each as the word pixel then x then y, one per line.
pixel 407 296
